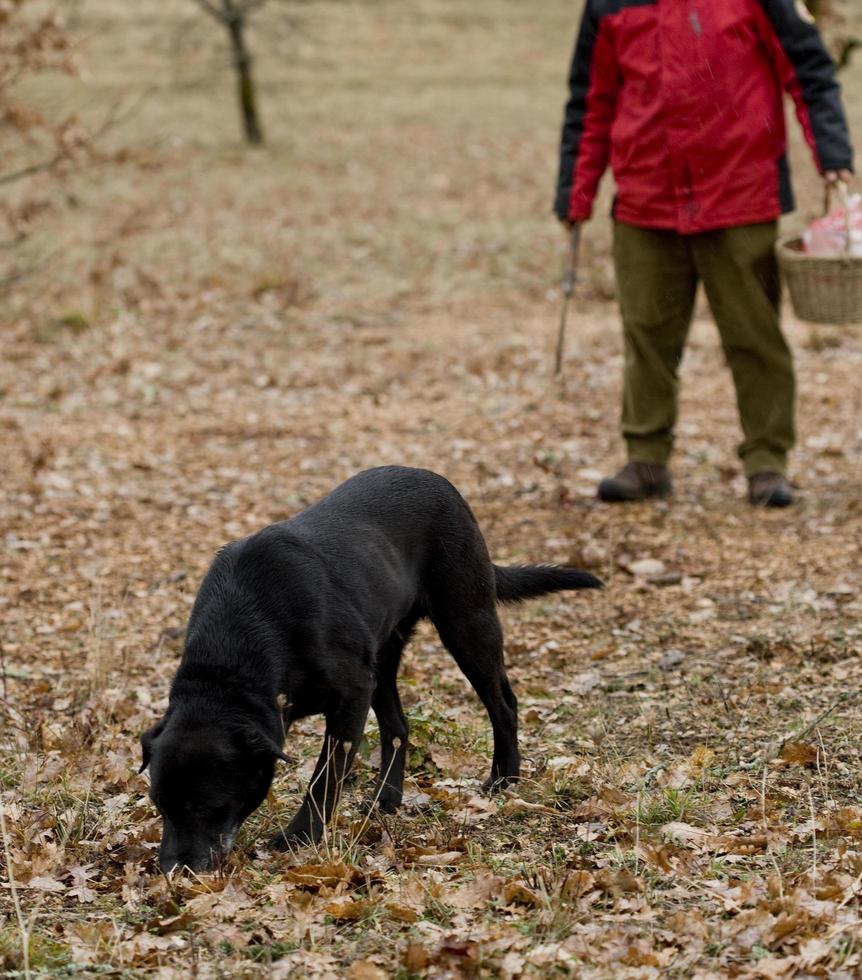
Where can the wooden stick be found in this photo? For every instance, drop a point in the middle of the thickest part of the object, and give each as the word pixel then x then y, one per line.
pixel 570 275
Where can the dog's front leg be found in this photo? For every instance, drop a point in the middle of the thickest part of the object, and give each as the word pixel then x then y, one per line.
pixel 344 728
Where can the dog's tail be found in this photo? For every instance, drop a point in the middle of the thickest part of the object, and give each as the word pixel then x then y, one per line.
pixel 519 582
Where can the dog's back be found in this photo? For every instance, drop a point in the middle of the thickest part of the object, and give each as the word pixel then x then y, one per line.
pixel 382 545
pixel 373 541
pixel 407 508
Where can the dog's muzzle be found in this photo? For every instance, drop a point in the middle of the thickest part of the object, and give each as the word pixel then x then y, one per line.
pixel 196 857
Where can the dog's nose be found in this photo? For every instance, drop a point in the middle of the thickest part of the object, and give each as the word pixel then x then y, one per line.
pixel 194 862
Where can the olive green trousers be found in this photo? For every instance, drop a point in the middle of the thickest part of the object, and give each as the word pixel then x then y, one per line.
pixel 657 275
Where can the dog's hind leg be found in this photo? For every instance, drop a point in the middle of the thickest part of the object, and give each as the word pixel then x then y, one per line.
pixel 390 717
pixel 345 724
pixel 474 637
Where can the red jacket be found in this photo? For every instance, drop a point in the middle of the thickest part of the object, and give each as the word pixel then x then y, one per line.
pixel 684 98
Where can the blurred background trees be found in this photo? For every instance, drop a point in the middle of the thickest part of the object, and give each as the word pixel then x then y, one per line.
pixel 233 16
pixel 401 148
pixel 833 20
pixel 32 43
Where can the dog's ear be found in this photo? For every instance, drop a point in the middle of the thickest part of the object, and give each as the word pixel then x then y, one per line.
pixel 261 742
pixel 281 754
pixel 276 750
pixel 147 739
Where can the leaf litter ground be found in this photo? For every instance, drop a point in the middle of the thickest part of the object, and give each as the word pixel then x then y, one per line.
pixel 691 735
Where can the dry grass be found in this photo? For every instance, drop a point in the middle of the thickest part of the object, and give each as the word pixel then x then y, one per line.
pixel 221 336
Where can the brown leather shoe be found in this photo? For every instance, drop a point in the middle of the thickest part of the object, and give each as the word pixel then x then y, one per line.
pixel 769 490
pixel 636 481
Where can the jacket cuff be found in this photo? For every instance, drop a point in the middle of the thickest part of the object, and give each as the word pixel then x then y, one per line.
pixel 580 207
pixel 561 203
pixel 572 208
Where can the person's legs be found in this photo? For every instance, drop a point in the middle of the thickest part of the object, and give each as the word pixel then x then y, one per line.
pixel 740 275
pixel 656 282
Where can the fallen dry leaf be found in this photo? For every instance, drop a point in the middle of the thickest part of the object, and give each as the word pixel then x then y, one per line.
pixel 514 892
pixel 317 876
pixel 45 884
pixel 403 913
pixel 347 909
pixel 416 957
pixel 440 860
pixel 684 833
pixel 617 880
pixel 366 970
pixel 799 754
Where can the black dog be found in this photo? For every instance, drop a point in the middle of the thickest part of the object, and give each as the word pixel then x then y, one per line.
pixel 311 616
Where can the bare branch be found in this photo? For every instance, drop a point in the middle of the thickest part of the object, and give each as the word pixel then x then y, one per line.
pixel 114 118
pixel 117 115
pixel 212 10
pixel 847 47
pixel 32 169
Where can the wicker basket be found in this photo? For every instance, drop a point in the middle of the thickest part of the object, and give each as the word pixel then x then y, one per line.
pixel 823 289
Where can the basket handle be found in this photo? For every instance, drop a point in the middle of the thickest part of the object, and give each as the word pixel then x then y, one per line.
pixel 844 198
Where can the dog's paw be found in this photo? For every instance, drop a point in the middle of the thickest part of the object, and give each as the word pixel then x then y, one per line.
pixel 384 802
pixel 282 842
pixel 289 838
pixel 496 784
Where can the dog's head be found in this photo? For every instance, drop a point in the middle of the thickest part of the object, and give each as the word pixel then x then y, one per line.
pixel 205 780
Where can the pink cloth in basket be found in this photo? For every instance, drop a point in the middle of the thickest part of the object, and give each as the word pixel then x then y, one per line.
pixel 828 235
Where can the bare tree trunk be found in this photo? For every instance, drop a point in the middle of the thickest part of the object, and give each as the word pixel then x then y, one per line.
pixel 845 51
pixel 245 80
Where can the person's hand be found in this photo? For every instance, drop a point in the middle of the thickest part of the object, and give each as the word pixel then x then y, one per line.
pixel 832 177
